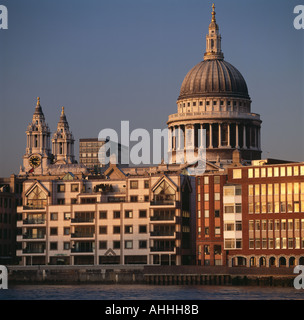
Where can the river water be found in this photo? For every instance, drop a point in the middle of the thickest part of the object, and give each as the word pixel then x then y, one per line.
pixel 148 292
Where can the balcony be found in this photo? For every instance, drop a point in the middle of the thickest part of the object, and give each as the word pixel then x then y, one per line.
pixel 162 234
pixel 39 250
pixel 82 235
pixel 82 250
pixel 33 237
pixel 157 203
pixel 83 220
pixel 162 249
pixel 31 207
pixel 34 221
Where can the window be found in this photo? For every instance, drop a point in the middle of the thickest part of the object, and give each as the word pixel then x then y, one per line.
pixel 257 172
pixel 238 225
pixel 128 229
pixel 60 201
pixel 74 187
pixel 237 173
pixel 134 184
pixel 54 216
pixel 116 244
pixel 102 214
pixel 37 198
pixel 206 180
pixel 142 229
pixel 217 230
pixel 102 245
pixel 250 173
pixel 53 231
pixel 116 229
pixel 128 244
pixel 146 184
pixel 276 171
pixel 142 244
pixel 103 230
pixel 216 213
pixel 67 216
pixel 206 213
pixel 283 171
pixel 217 179
pixel 116 214
pixel 269 172
pixel 66 246
pixel 66 231
pixel 133 198
pixel 60 188
pixel 128 214
pixel 217 196
pixel 142 213
pixel 53 245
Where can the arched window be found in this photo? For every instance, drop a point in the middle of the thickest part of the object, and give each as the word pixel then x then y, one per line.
pixel 262 262
pixel 252 262
pixel 292 261
pixel 301 260
pixel 37 198
pixel 272 262
pixel 282 262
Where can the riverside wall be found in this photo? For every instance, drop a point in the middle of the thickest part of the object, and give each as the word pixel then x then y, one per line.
pixel 151 275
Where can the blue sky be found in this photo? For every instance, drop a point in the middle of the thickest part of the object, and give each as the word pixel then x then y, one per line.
pixel 114 60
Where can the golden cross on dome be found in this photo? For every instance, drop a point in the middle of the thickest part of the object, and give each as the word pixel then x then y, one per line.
pixel 38 101
pixel 62 110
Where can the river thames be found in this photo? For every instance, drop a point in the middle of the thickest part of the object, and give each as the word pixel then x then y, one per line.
pixel 148 292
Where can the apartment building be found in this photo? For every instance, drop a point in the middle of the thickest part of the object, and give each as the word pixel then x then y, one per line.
pixel 125 216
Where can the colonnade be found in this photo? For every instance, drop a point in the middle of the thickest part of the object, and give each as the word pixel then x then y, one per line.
pixel 215 135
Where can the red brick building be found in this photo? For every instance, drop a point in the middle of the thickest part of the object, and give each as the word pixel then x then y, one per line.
pixel 252 216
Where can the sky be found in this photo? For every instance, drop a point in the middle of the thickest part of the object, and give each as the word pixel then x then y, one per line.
pixel 108 61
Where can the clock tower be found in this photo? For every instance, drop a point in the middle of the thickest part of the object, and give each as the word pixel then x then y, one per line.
pixel 38 155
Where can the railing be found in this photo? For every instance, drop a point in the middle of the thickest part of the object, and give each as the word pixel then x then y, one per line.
pixel 162 203
pixel 155 249
pixel 33 250
pixel 79 250
pixel 162 233
pixel 33 237
pixel 82 220
pixel 162 218
pixel 31 207
pixel 34 221
pixel 82 235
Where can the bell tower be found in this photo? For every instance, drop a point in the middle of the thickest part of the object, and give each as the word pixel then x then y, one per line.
pixel 38 154
pixel 63 142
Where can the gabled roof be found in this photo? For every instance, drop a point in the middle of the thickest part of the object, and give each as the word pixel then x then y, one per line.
pixel 36 183
pixel 161 179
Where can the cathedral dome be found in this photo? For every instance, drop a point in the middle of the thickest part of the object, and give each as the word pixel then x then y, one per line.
pixel 214 77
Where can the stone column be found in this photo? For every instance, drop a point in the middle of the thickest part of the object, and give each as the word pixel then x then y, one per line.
pixel 220 135
pixel 210 136
pixel 170 139
pixel 201 136
pixel 244 137
pixel 236 135
pixel 228 128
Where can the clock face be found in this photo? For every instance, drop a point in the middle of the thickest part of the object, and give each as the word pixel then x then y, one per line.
pixel 35 161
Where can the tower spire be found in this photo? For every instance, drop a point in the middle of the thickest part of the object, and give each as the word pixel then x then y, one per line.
pixel 213 13
pixel 213 40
